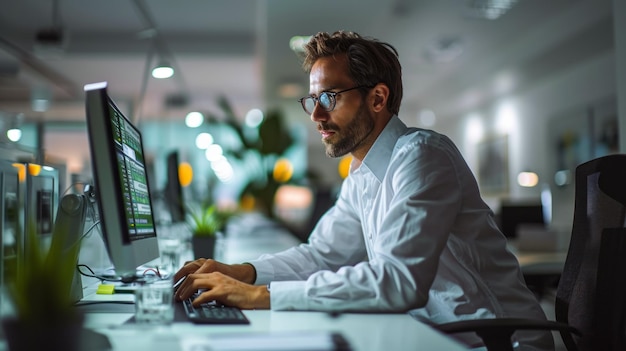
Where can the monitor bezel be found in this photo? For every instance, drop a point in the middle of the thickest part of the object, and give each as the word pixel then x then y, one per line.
pixel 173 191
pixel 126 255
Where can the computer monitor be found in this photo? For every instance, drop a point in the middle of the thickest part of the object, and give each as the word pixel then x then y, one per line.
pixel 11 216
pixel 514 213
pixel 121 184
pixel 173 193
pixel 41 197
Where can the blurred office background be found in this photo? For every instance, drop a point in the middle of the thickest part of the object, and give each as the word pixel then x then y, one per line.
pixel 527 89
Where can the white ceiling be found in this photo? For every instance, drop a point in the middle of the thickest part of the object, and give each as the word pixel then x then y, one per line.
pixel 239 49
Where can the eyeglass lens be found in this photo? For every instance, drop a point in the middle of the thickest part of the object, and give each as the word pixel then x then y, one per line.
pixel 326 101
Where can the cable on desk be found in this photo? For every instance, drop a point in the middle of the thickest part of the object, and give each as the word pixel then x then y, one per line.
pixel 147 272
pixel 154 271
pixel 94 275
pixel 85 303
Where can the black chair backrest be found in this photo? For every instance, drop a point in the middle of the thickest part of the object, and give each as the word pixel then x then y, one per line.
pixel 591 295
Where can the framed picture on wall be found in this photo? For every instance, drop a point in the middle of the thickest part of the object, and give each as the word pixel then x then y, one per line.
pixel 582 134
pixel 493 165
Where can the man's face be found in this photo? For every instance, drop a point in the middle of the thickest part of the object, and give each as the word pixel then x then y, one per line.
pixel 347 128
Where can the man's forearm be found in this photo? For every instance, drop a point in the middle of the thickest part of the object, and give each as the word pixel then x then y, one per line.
pixel 245 273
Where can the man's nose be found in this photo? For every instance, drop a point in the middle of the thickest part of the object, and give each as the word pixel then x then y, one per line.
pixel 319 114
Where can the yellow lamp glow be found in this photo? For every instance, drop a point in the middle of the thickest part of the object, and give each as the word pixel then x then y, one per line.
pixel 527 179
pixel 21 171
pixel 293 197
pixel 247 202
pixel 34 169
pixel 344 166
pixel 185 174
pixel 283 170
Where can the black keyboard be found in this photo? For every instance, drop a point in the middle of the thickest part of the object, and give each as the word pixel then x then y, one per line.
pixel 213 313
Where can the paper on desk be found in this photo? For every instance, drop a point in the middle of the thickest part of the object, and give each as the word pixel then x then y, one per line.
pixel 276 341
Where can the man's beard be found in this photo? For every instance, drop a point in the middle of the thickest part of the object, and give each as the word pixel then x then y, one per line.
pixel 352 135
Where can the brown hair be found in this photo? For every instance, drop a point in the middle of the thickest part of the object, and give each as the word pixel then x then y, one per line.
pixel 369 61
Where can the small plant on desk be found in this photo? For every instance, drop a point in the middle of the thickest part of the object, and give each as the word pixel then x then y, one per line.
pixel 39 287
pixel 206 223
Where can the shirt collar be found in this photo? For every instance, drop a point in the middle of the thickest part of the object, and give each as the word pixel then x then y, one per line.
pixel 378 157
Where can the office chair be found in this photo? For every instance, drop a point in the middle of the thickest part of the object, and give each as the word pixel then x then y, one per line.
pixel 590 306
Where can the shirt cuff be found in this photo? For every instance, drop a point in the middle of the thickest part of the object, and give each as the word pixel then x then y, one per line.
pixel 289 296
pixel 264 272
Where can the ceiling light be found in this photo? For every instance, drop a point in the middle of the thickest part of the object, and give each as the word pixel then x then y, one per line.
pixel 204 140
pixel 194 119
pixel 162 71
pixel 489 9
pixel 50 43
pixel 297 43
pixel 40 98
pixel 14 134
pixel 254 118
pixel 214 152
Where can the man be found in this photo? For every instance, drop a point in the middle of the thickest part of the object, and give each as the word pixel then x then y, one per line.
pixel 409 230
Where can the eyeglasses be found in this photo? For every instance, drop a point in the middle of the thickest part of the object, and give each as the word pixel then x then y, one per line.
pixel 327 100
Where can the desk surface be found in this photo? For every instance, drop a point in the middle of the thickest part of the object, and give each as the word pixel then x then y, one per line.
pixel 364 332
pixel 540 262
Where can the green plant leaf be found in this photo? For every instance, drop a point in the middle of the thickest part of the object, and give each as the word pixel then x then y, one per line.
pixel 40 290
pixel 207 220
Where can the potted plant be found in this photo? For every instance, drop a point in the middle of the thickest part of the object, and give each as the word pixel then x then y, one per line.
pixel 206 225
pixel 39 287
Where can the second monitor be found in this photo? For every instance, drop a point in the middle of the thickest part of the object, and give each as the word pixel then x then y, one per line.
pixel 173 193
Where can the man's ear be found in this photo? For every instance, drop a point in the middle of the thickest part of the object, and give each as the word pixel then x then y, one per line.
pixel 380 94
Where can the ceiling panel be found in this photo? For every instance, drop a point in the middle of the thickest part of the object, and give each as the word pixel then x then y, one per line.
pixel 239 48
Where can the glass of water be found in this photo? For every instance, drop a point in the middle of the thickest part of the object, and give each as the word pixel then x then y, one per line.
pixel 169 251
pixel 171 243
pixel 154 302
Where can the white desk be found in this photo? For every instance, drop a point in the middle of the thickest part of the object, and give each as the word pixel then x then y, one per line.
pixel 542 269
pixel 364 332
pixel 537 263
pixel 245 240
pixel 539 250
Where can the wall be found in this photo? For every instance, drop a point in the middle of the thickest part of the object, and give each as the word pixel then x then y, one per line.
pixel 552 95
pixel 530 112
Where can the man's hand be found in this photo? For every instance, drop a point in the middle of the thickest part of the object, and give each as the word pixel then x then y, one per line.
pixel 224 289
pixel 241 272
pixel 228 284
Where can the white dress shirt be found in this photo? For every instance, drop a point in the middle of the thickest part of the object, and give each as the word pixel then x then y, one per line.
pixel 408 232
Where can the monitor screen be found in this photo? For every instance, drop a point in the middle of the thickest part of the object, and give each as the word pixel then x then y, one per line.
pixel 121 184
pixel 514 214
pixel 41 196
pixel 173 193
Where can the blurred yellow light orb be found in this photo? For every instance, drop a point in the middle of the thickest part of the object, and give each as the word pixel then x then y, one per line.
pixel 34 169
pixel 344 166
pixel 283 170
pixel 247 202
pixel 185 174
pixel 21 171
